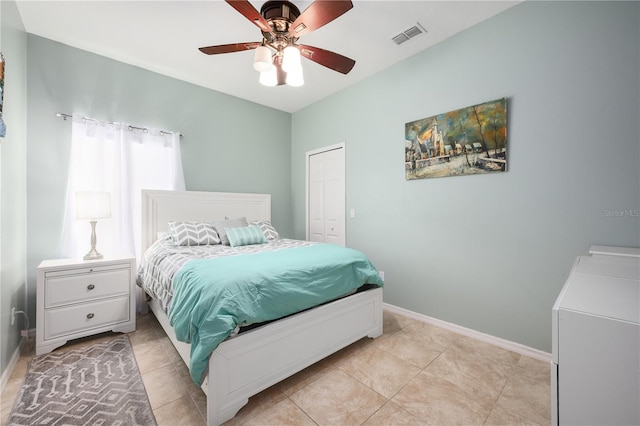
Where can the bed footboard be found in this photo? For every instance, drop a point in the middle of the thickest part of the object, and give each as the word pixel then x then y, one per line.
pixel 250 362
pixel 245 365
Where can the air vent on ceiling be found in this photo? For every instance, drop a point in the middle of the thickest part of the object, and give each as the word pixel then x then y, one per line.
pixel 409 33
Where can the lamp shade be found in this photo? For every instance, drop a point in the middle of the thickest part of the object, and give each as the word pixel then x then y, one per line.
pixel 262 59
pixel 295 77
pixel 269 78
pixel 291 58
pixel 91 205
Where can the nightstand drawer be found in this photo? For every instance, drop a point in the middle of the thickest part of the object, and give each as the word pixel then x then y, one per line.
pixel 63 290
pixel 70 319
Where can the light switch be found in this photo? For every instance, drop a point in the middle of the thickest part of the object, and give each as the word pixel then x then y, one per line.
pixel 352 213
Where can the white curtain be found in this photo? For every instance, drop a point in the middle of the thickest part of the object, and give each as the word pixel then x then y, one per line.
pixel 121 160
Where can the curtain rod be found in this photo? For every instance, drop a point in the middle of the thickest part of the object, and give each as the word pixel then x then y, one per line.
pixel 144 129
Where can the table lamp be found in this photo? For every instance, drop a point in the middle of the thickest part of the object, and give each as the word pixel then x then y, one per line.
pixel 91 206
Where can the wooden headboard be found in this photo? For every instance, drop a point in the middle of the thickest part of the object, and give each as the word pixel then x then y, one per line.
pixel 161 207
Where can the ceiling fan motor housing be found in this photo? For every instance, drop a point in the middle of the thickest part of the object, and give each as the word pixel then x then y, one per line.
pixel 280 15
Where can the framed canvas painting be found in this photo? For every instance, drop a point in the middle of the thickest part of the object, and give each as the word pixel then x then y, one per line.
pixel 467 141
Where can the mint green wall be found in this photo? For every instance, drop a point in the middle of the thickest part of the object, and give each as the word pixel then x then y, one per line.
pixel 13 225
pixel 491 252
pixel 230 144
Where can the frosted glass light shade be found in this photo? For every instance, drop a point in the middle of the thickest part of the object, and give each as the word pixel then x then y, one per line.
pixel 92 205
pixel 262 59
pixel 295 77
pixel 291 58
pixel 269 78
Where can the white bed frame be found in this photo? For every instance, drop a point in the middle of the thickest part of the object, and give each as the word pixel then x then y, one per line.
pixel 250 362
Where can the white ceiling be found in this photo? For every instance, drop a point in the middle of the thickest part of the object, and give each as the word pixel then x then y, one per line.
pixel 164 36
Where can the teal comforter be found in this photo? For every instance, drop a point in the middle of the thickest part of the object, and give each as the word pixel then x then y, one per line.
pixel 213 296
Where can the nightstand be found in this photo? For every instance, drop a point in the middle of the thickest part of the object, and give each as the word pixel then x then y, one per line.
pixel 78 298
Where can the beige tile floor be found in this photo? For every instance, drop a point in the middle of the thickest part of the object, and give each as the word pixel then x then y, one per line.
pixel 414 374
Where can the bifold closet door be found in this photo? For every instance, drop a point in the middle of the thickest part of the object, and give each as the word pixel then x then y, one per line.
pixel 326 196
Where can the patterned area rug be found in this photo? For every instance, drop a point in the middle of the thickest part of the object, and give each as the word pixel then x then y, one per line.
pixel 95 385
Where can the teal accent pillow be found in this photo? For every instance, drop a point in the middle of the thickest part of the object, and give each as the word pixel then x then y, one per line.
pixel 244 236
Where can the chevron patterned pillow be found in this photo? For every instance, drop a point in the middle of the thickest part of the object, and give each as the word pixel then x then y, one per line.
pixel 267 229
pixel 193 233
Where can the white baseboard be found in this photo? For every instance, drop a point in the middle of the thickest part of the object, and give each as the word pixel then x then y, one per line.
pixel 502 343
pixel 12 364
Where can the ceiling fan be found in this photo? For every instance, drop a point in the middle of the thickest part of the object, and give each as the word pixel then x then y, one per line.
pixel 277 56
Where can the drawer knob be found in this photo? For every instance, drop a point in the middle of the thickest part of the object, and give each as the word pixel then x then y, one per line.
pixel 91 287
pixel 89 316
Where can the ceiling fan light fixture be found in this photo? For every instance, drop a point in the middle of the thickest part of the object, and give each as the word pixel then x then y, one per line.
pixel 269 78
pixel 291 59
pixel 277 57
pixel 295 77
pixel 262 59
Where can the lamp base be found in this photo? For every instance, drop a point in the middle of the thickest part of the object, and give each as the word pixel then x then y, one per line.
pixel 93 255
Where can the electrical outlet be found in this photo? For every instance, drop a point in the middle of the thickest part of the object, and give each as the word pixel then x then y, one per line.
pixel 24 333
pixel 13 315
pixel 381 273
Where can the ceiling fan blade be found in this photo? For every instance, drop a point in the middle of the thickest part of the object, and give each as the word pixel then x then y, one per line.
pixel 329 59
pixel 250 12
pixel 319 13
pixel 229 48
